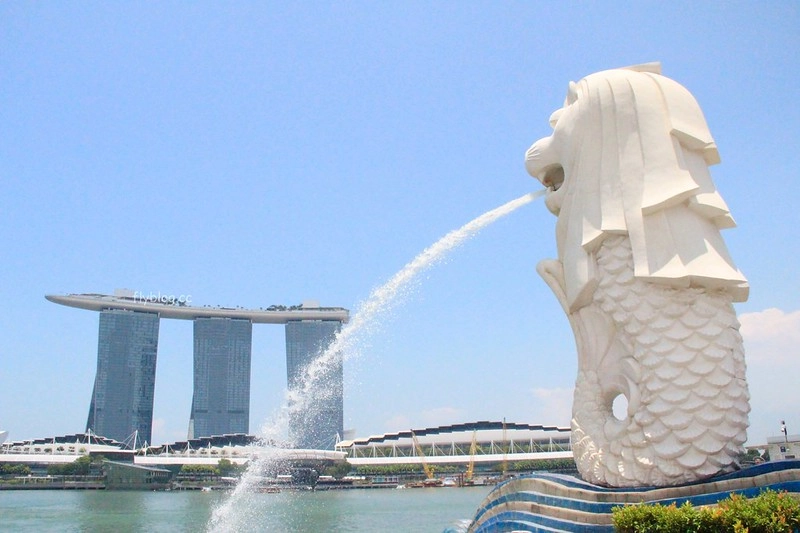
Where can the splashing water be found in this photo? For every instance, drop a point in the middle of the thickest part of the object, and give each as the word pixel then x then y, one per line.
pixel 343 347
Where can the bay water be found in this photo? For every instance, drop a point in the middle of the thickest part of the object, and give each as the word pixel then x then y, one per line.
pixel 355 510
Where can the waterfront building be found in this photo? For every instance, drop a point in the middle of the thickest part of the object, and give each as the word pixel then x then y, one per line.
pixel 486 445
pixel 122 399
pixel 41 452
pixel 319 421
pixel 221 398
pixel 238 449
pixel 783 447
pixel 129 476
pixel 483 444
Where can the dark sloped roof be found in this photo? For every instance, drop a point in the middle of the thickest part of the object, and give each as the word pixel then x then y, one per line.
pixel 459 428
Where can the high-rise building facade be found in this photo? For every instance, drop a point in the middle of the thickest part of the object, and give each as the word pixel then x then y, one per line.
pixel 318 418
pixel 221 399
pixel 122 398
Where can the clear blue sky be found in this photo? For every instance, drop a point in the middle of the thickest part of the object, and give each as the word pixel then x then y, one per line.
pixel 254 153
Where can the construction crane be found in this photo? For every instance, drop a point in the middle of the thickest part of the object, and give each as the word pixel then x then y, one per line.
pixel 473 449
pixel 430 479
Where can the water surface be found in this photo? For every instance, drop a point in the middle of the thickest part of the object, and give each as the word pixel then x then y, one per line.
pixel 368 510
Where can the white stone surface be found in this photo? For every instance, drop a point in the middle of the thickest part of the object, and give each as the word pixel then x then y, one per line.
pixel 646 281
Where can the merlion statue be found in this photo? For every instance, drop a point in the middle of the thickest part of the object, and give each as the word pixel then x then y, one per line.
pixel 646 281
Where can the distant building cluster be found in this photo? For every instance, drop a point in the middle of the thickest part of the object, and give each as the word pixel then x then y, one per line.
pixel 121 407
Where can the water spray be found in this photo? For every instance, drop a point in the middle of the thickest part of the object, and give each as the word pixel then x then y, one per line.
pixel 365 320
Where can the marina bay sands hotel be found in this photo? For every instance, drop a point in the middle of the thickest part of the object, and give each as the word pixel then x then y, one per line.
pixel 127 346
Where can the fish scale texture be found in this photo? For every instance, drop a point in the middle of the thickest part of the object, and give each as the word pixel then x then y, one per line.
pixel 677 357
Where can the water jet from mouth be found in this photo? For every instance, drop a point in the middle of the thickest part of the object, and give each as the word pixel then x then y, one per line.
pixel 345 346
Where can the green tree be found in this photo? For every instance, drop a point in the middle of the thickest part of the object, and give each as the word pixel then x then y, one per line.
pixel 226 468
pixel 338 470
pixel 82 465
pixel 79 467
pixel 198 469
pixel 751 456
pixel 14 469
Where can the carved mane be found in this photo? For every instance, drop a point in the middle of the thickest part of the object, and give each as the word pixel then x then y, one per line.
pixel 635 149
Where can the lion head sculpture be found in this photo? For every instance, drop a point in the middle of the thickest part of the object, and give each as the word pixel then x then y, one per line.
pixel 629 154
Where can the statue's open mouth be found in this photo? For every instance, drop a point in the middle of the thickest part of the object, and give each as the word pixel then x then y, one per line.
pixel 553 177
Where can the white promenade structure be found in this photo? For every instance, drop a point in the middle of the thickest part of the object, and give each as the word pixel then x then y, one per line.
pixel 121 407
pixel 62 449
pixel 238 449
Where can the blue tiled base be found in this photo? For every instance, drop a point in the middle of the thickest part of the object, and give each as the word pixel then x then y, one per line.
pixel 552 502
